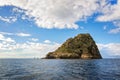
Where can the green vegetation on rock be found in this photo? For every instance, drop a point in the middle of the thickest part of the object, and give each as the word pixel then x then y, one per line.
pixel 81 46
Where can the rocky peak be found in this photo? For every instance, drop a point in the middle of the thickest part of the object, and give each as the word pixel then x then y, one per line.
pixel 81 46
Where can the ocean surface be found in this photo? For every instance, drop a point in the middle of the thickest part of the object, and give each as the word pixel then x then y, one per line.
pixel 56 69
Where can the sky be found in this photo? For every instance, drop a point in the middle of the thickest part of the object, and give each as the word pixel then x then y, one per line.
pixel 32 28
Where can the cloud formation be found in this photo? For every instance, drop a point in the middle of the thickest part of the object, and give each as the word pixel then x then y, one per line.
pixel 6 39
pixel 117 29
pixel 110 13
pixel 34 39
pixel 111 49
pixel 21 34
pixel 8 19
pixel 9 48
pixel 47 41
pixel 64 13
pixel 55 13
pixel 26 50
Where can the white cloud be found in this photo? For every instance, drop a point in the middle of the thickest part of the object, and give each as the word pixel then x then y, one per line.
pixel 9 48
pixel 26 50
pixel 1 37
pixel 55 13
pixel 33 49
pixel 9 40
pixel 117 29
pixel 111 49
pixel 34 39
pixel 47 41
pixel 18 10
pixel 110 13
pixel 6 39
pixel 64 13
pixel 23 34
pixel 6 33
pixel 8 19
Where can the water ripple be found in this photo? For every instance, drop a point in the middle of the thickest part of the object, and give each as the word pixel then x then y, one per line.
pixel 44 69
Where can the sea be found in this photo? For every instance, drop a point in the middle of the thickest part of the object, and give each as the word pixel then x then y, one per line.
pixel 59 69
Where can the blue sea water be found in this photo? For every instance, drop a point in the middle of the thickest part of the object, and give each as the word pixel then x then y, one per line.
pixel 59 69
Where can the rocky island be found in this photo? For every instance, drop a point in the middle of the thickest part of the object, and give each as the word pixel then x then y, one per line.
pixel 81 46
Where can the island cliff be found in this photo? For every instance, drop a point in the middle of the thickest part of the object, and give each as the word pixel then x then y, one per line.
pixel 81 46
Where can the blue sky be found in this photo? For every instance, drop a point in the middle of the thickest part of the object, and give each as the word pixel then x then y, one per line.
pixel 33 28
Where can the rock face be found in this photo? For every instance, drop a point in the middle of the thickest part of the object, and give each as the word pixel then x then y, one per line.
pixel 81 46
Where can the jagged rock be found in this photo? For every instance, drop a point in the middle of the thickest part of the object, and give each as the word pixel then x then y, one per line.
pixel 81 46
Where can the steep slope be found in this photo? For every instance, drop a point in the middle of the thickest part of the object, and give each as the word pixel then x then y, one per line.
pixel 81 46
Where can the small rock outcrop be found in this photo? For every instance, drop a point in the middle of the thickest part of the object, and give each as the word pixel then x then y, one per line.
pixel 81 46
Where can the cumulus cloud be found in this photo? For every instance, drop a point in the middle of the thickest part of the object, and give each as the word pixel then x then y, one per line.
pixel 64 13
pixel 34 39
pixel 6 33
pixel 55 13
pixel 6 39
pixel 8 19
pixel 10 49
pixel 26 50
pixel 110 13
pixel 23 34
pixel 117 29
pixel 34 49
pixel 47 41
pixel 111 49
